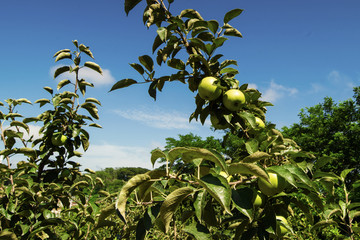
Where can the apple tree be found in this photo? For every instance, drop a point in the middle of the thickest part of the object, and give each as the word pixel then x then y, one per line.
pixel 253 193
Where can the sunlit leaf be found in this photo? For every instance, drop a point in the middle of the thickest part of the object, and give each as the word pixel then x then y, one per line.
pixel 218 188
pixel 61 70
pixel 126 190
pixel 233 32
pixel 256 156
pixel 171 203
pixel 232 14
pixel 147 62
pixel 93 66
pixel 247 168
pixel 123 83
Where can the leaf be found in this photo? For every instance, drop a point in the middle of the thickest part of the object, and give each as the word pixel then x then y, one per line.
pixel 252 146
pixel 93 100
pixel 213 26
pixel 138 68
pixel 323 224
pixel 156 154
pixel 176 63
pixel 161 37
pixel 63 55
pixel 62 83
pixel 152 90
pixel 6 235
pixel 344 173
pixel 300 174
pixel 126 190
pixel 198 231
pixel 171 203
pixel 199 204
pixel 123 83
pixel 247 168
pixel 22 100
pixel 93 66
pixel 61 70
pixel 243 200
pixel 256 156
pixel 209 155
pixel 190 13
pixel 218 188
pixel 250 118
pixel 147 62
pixel 232 14
pixel 20 124
pixel 130 4
pixel 233 32
pixel 62 51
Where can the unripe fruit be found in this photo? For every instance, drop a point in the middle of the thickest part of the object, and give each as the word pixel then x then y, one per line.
pixel 233 99
pixel 280 229
pixel 208 90
pixel 275 186
pixel 58 140
pixel 259 122
pixel 258 201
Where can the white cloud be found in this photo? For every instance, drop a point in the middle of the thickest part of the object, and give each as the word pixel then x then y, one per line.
pixel 336 78
pixel 316 87
pixel 277 91
pixel 158 118
pixel 252 85
pixel 87 74
pixel 108 155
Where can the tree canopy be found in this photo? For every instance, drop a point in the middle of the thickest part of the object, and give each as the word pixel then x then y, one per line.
pixel 331 129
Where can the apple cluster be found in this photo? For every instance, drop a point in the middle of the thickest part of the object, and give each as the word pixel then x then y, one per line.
pixel 233 100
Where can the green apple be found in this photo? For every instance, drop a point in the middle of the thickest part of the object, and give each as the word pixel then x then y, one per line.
pixel 58 139
pixel 258 201
pixel 215 121
pixel 275 186
pixel 281 230
pixel 259 122
pixel 233 99
pixel 208 90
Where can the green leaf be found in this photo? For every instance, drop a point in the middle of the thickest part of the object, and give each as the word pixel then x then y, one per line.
pixel 138 68
pixel 91 108
pixel 243 200
pixel 210 155
pixel 323 224
pixel 123 83
pixel 171 203
pixel 147 62
pixel 232 32
pixel 199 204
pixel 218 188
pixel 61 70
pixel 232 14
pixel 152 90
pixel 161 37
pixel 250 118
pixel 62 51
pixel 283 172
pixel 157 43
pixel 227 63
pixel 156 154
pixel 252 146
pixel 229 70
pixel 247 168
pixel 93 100
pixel 22 100
pixel 62 83
pixel 7 235
pixel 344 173
pixel 63 55
pixel 126 190
pixel 130 4
pixel 93 66
pixel 256 156
pixel 198 231
pixel 213 26
pixel 20 124
pixel 176 63
pixel 299 174
pixel 190 13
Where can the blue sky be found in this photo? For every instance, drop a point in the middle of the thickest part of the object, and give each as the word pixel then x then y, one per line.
pixel 294 52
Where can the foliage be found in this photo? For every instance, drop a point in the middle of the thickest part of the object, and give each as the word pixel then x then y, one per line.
pixel 331 130
pixel 214 197
pixel 114 179
pixel 46 196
